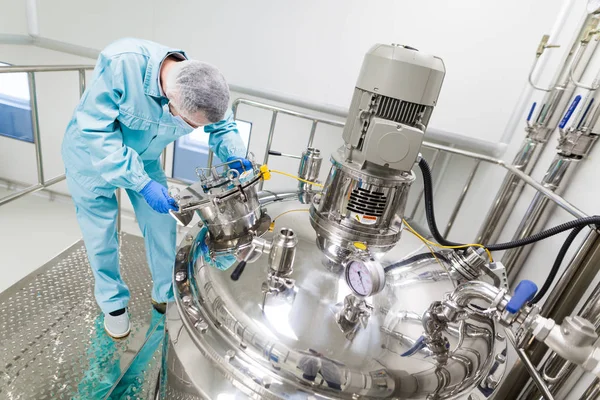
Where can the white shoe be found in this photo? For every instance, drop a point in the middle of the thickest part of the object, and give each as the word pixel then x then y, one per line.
pixel 117 327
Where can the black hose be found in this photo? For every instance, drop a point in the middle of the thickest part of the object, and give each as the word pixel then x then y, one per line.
pixel 576 223
pixel 556 266
pixel 415 258
pixel 428 190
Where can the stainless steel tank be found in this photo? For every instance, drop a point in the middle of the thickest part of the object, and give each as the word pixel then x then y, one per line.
pixel 238 339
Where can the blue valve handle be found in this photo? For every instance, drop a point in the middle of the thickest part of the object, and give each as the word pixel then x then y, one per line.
pixel 524 292
pixel 419 344
pixel 569 112
pixel 585 113
pixel 531 111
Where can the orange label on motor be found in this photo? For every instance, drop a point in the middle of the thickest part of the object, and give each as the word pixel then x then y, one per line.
pixel 364 219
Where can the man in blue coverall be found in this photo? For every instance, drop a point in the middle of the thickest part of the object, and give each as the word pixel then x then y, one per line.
pixel 142 97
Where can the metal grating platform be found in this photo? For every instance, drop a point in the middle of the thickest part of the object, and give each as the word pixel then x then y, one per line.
pixel 52 341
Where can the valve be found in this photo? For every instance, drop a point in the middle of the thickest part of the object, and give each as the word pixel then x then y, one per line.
pixel 524 292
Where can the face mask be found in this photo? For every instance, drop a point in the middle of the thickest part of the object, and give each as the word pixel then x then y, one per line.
pixel 180 122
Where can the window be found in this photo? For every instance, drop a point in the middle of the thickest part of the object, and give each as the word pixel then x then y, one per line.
pixel 191 151
pixel 15 107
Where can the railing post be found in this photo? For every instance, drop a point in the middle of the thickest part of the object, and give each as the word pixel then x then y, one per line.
pixel 35 125
pixel 269 142
pixel 82 82
pixel 313 130
pixel 461 198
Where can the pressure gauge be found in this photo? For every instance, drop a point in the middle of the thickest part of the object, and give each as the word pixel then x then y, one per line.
pixel 365 276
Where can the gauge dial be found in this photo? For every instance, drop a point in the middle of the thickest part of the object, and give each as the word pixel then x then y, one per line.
pixel 365 277
pixel 359 279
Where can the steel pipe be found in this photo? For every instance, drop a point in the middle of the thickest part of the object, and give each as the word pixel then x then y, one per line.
pixel 509 192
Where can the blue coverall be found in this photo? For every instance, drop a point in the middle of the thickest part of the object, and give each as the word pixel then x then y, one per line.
pixel 114 140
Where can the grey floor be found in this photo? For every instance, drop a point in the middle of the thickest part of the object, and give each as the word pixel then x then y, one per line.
pixel 52 341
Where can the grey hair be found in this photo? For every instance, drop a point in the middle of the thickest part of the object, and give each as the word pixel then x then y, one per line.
pixel 194 86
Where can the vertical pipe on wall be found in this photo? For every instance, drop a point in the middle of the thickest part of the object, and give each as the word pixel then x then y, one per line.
pixel 525 97
pixel 538 213
pixel 540 128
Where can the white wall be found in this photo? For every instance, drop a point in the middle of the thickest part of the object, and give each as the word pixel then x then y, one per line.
pixel 13 17
pixel 313 49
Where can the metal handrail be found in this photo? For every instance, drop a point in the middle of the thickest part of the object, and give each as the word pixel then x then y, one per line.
pixel 42 182
pixel 10 69
pixel 275 110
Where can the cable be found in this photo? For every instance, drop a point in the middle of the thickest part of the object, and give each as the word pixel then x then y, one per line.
pixel 433 253
pixel 460 246
pixel 274 171
pixel 272 226
pixel 556 266
pixel 430 250
pixel 581 222
pixel 428 190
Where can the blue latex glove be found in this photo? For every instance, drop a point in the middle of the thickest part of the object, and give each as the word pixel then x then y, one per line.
pixel 241 166
pixel 223 262
pixel 158 198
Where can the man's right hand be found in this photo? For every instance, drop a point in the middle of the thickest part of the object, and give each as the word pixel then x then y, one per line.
pixel 157 197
